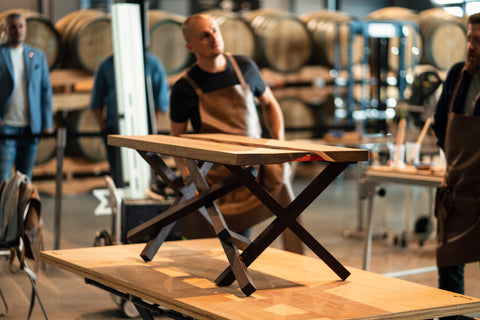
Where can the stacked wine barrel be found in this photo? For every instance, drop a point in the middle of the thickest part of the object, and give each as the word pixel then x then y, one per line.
pixel 87 37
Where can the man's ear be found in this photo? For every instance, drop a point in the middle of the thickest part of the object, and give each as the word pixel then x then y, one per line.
pixel 189 47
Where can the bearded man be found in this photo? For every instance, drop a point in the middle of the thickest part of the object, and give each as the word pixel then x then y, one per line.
pixel 457 127
pixel 25 99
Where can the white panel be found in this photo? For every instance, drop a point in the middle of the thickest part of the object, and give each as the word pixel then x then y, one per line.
pixel 130 91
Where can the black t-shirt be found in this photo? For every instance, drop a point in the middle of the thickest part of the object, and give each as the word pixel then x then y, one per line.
pixel 184 100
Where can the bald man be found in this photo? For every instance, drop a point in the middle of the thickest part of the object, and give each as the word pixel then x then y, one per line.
pixel 217 95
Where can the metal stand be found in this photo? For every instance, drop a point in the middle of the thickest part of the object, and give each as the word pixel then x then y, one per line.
pixel 61 144
pixel 367 107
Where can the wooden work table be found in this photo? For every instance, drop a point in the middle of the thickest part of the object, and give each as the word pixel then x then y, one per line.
pixel 181 277
pixel 376 175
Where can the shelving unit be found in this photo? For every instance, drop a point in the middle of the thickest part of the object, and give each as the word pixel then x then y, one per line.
pixel 380 86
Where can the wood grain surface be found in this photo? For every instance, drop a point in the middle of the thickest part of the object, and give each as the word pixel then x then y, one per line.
pixel 290 286
pixel 210 151
pixel 326 152
pixel 235 150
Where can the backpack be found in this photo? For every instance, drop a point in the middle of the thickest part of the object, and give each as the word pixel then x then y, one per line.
pixel 20 219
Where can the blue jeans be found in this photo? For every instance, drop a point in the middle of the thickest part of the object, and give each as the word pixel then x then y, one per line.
pixel 18 151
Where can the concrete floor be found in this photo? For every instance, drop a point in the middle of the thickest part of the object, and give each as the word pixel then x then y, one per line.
pixel 332 218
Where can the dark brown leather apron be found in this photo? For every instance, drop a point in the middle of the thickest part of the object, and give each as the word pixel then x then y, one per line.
pixel 232 110
pixel 458 200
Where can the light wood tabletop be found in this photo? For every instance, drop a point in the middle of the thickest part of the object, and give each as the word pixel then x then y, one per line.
pixel 235 150
pixel 290 286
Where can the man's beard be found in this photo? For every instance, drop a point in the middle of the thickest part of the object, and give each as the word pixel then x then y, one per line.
pixel 16 41
pixel 473 64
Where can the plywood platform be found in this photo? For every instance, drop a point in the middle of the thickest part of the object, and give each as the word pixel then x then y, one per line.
pixel 290 286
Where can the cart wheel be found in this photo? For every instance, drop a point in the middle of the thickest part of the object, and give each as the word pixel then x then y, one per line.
pixel 116 299
pixel 129 309
pixel 404 240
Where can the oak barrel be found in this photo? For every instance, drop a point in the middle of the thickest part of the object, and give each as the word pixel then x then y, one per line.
pixel 238 35
pixel 47 148
pixel 328 28
pixel 440 13
pixel 444 39
pixel 87 36
pixel 166 40
pixel 299 118
pixel 41 34
pixel 285 42
pixel 91 148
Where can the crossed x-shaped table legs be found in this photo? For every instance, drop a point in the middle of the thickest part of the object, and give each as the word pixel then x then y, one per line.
pixel 199 196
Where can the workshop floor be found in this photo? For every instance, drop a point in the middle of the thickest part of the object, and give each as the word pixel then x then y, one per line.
pixel 332 218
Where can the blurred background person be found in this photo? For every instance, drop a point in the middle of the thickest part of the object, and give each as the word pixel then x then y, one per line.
pixel 25 99
pixel 104 104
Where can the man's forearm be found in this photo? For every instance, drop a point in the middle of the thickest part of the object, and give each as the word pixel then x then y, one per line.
pixel 273 115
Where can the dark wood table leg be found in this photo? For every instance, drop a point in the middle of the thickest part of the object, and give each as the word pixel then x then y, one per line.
pixel 286 218
pixel 187 201
pixel 151 248
pixel 155 224
pixel 221 229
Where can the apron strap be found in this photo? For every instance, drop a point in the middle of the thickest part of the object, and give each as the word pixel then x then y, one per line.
pixel 192 83
pixel 455 91
pixel 237 70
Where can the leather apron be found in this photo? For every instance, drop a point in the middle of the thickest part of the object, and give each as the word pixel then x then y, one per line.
pixel 458 199
pixel 232 110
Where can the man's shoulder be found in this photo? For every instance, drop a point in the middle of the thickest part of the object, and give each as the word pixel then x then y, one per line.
pixel 241 58
pixel 152 57
pixel 108 61
pixel 457 66
pixel 105 67
pixel 243 61
pixel 153 61
pixel 3 48
pixel 455 71
pixel 33 49
pixel 181 85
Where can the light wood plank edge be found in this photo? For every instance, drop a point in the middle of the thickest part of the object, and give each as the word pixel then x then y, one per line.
pixel 50 257
pixel 429 313
pixel 196 152
pixel 326 152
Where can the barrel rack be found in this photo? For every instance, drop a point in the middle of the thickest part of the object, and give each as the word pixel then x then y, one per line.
pixel 365 107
